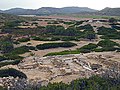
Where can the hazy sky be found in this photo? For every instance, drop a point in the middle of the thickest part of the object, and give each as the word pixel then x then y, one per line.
pixel 35 4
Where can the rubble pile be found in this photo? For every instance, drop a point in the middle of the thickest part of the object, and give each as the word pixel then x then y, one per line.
pixel 11 83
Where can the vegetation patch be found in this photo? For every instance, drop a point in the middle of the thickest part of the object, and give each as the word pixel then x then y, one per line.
pixel 64 52
pixel 108 33
pixel 55 45
pixel 23 39
pixel 9 62
pixel 92 83
pixel 12 72
pixel 107 43
pixel 88 48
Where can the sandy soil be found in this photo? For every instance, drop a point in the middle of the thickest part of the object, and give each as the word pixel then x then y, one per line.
pixel 66 79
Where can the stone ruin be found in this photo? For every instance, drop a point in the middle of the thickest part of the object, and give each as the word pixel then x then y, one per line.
pixel 59 65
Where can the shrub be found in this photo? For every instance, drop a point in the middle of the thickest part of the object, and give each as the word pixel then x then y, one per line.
pixel 99 50
pixel 105 31
pixel 55 45
pixel 107 43
pixel 92 83
pixel 54 39
pixel 68 23
pixel 90 35
pixel 24 39
pixel 11 56
pixel 9 62
pixel 107 49
pixel 31 47
pixel 112 20
pixel 39 39
pixel 78 22
pixel 87 27
pixel 20 50
pixel 111 36
pixel 12 72
pixel 69 38
pixel 63 52
pixel 116 27
pixel 6 46
pixel 88 48
pixel 85 50
pixel 2 58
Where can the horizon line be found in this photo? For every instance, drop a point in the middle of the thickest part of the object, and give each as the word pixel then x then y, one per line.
pixel 52 7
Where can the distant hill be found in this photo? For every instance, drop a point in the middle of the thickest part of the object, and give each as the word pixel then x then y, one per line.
pixel 48 10
pixel 77 9
pixel 110 11
pixel 64 10
pixel 8 17
pixel 19 11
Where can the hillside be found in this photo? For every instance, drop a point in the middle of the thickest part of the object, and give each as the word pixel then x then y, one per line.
pixel 64 10
pixel 6 17
pixel 48 10
pixel 110 11
pixel 19 11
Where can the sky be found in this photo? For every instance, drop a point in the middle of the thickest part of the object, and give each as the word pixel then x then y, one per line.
pixel 35 4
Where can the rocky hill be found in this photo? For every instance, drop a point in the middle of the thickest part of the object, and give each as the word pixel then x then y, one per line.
pixel 48 10
pixel 110 11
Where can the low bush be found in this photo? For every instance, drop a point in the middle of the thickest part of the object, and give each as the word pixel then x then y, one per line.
pixel 23 39
pixel 69 38
pixel 55 45
pixel 20 50
pixel 107 43
pixel 31 47
pixel 111 36
pixel 106 49
pixel 88 48
pixel 9 62
pixel 12 72
pixel 85 50
pixel 92 83
pixel 40 39
pixel 87 27
pixel 11 56
pixel 64 52
pixel 104 31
